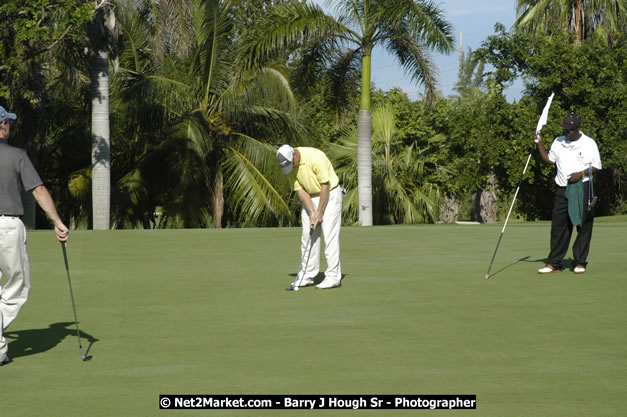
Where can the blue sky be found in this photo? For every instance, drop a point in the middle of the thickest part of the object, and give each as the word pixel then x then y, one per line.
pixel 475 19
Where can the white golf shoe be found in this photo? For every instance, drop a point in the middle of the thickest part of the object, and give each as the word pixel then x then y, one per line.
pixel 548 269
pixel 329 283
pixel 306 282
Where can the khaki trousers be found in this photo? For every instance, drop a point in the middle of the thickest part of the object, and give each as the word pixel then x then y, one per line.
pixel 14 271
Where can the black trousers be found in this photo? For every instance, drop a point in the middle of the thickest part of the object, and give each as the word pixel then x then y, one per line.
pixel 562 229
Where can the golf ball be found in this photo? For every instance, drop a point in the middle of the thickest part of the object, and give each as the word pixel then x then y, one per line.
pixel 296 288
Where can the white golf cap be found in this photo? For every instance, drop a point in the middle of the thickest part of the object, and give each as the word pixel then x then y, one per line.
pixel 285 156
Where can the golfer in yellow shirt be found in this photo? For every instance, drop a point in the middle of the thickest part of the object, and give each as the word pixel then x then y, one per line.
pixel 313 178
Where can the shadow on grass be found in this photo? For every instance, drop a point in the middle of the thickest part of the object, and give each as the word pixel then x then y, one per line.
pixel 567 264
pixel 33 341
pixel 318 278
pixel 525 259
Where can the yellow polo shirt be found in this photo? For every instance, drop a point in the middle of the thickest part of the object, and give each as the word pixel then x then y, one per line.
pixel 313 169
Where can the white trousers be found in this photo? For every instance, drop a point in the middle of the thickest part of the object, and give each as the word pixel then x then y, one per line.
pixel 15 268
pixel 330 226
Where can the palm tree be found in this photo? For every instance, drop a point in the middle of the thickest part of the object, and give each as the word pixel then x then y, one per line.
pixel 407 28
pixel 404 177
pixel 217 121
pixel 103 36
pixel 471 72
pixel 585 18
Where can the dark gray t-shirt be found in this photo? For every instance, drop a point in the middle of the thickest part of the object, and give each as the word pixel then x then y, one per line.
pixel 16 174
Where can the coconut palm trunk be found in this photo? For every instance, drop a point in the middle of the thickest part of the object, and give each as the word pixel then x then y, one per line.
pixel 364 145
pixel 579 20
pixel 217 199
pixel 100 145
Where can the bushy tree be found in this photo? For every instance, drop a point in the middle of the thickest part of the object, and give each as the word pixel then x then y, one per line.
pixel 43 79
pixel 588 78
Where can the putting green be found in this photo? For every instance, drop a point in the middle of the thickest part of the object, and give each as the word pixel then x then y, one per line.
pixel 206 312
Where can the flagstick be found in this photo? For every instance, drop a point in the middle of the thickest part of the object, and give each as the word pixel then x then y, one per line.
pixel 543 119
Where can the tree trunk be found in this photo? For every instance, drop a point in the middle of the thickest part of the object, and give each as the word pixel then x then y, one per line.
pixel 449 210
pixel 486 208
pixel 579 21
pixel 100 146
pixel 217 199
pixel 364 167
pixel 364 147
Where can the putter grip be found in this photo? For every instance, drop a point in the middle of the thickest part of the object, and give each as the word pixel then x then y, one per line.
pixel 64 255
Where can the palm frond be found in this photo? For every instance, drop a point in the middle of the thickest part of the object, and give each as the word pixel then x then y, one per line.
pixel 416 61
pixel 269 85
pixel 79 184
pixel 251 192
pixel 132 203
pixel 210 63
pixel 422 20
pixel 197 130
pixel 286 27
pixel 311 63
pixel 344 77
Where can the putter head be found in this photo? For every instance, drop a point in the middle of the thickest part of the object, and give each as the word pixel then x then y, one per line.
pixel 292 288
pixel 86 357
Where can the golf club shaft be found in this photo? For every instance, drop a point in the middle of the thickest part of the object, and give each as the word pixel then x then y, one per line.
pixel 304 268
pixel 69 281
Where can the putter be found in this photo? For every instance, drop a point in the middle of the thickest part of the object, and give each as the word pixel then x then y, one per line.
pixel 78 333
pixel 297 287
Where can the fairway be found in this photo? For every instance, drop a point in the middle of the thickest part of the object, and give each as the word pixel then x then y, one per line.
pixel 206 312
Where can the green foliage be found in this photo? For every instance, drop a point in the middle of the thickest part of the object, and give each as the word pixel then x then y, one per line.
pixel 416 121
pixel 43 80
pixel 30 30
pixel 195 117
pixel 601 20
pixel 588 78
pixel 200 129
pixel 470 73
pixel 406 178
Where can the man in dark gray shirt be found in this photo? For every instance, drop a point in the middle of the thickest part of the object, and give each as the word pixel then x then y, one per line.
pixel 16 174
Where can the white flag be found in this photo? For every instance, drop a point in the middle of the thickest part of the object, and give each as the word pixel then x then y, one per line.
pixel 545 114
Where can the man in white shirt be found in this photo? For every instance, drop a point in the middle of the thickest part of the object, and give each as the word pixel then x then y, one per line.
pixel 576 157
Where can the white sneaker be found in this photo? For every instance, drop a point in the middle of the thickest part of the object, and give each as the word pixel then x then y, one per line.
pixel 328 283
pixel 580 269
pixel 306 282
pixel 548 269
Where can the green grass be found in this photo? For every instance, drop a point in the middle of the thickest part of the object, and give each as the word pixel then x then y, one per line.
pixel 205 312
